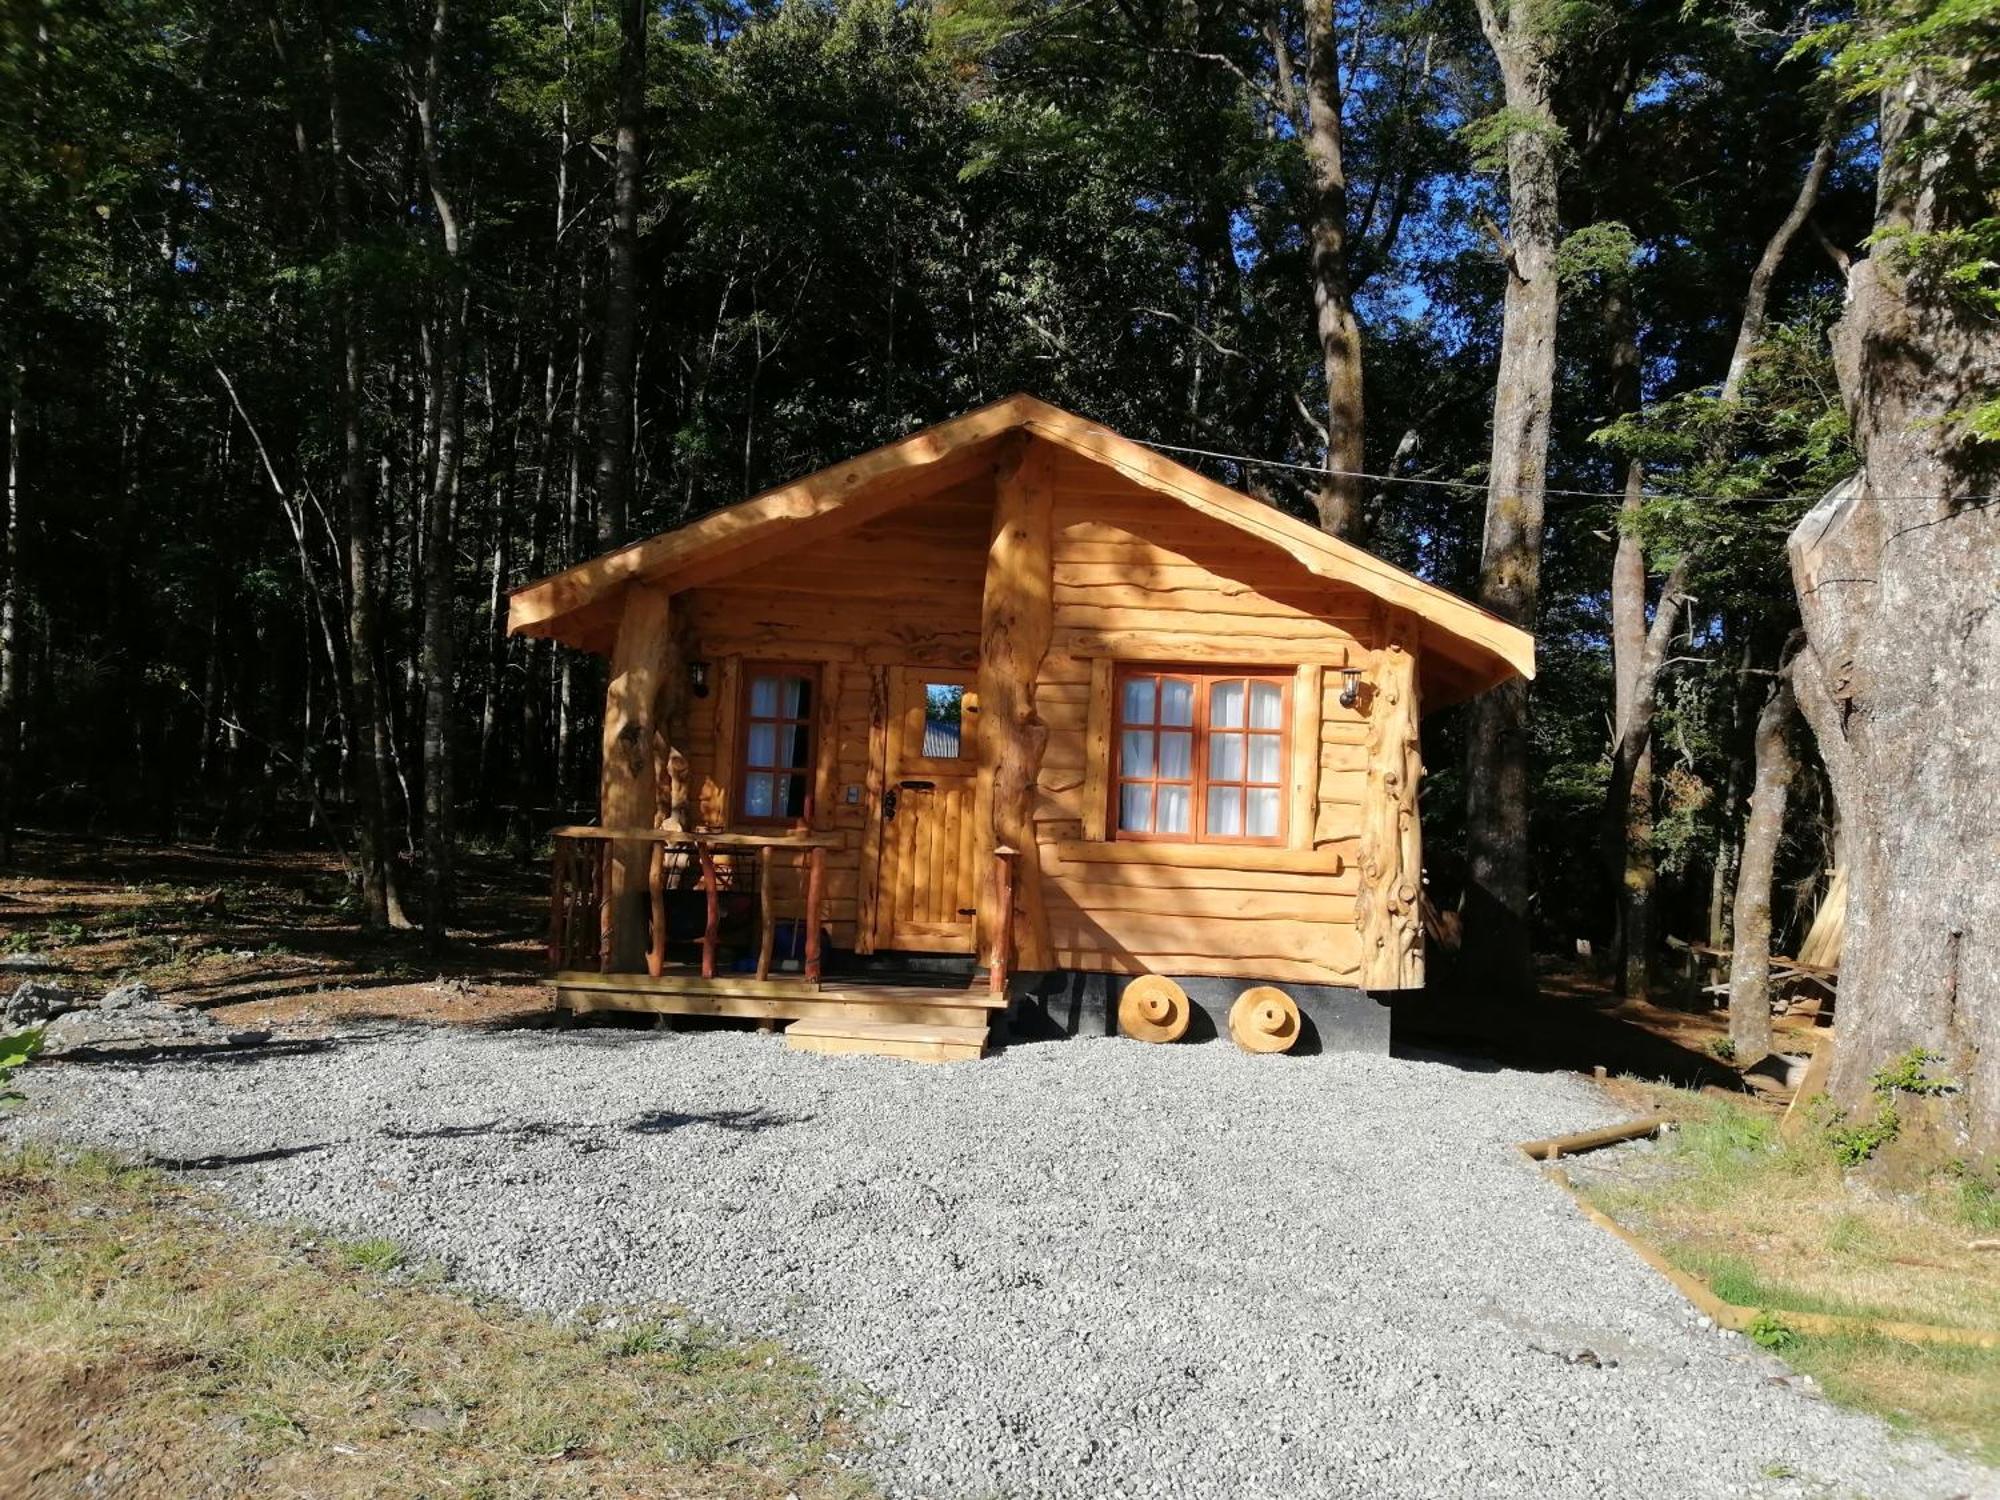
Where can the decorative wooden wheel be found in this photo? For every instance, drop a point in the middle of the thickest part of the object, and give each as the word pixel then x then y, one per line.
pixel 1154 1009
pixel 1264 1019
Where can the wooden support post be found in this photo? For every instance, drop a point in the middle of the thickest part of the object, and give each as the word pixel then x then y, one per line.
pixel 999 955
pixel 1390 906
pixel 628 793
pixel 656 887
pixel 815 891
pixel 1017 621
pixel 767 915
pixel 711 932
pixel 559 883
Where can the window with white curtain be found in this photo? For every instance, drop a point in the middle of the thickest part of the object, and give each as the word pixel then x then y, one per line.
pixel 1201 755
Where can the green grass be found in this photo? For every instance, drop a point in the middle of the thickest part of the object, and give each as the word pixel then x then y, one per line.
pixel 227 1360
pixel 1779 1224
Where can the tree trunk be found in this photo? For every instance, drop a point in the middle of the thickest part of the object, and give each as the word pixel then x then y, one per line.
pixel 621 284
pixel 1628 817
pixel 368 768
pixel 1895 575
pixel 449 421
pixel 1498 852
pixel 1339 497
pixel 10 612
pixel 1763 831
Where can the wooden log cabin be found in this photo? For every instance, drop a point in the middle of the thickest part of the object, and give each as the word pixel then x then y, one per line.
pixel 995 719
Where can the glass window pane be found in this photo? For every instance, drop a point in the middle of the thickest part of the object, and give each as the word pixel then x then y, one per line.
pixel 793 697
pixel 1225 811
pixel 1177 755
pixel 1267 710
pixel 1262 821
pixel 1138 700
pixel 763 749
pixel 792 796
pixel 944 718
pixel 763 697
pixel 1176 701
pixel 1225 705
pixel 1264 757
pixel 1135 756
pixel 1174 804
pixel 1225 757
pixel 797 742
pixel 757 796
pixel 1135 808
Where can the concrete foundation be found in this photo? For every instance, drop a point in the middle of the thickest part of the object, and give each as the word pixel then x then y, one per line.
pixel 1069 1002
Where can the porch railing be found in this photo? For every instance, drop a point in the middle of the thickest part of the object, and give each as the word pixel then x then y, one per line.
pixel 592 895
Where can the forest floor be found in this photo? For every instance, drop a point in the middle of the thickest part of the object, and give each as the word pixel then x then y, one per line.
pixel 269 938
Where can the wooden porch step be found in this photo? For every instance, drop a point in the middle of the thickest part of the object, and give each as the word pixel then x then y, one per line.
pixel 889 1039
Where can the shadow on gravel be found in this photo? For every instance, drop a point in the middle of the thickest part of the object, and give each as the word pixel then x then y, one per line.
pixel 222 1163
pixel 661 1121
pixel 653 1122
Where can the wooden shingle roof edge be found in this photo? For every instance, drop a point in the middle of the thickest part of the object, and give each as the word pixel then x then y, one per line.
pixel 578 605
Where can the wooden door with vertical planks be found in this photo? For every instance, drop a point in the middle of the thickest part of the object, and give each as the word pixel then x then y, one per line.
pixel 926 883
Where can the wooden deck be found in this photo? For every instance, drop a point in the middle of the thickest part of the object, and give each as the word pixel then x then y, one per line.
pixel 778 998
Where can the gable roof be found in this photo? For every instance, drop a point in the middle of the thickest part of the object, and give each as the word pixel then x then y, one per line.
pixel 579 605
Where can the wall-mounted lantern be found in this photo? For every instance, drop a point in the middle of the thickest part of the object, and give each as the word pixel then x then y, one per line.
pixel 698 678
pixel 1350 686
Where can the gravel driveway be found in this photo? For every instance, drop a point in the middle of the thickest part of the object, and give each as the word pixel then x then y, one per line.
pixel 1091 1268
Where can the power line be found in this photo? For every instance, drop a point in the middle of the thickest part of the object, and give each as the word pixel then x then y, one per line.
pixel 1552 490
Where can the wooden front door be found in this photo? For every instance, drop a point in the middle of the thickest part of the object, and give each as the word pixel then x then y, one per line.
pixel 927 880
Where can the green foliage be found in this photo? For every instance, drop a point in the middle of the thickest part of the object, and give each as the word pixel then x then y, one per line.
pixel 1855 1141
pixel 1487 139
pixel 1596 252
pixel 1723 1048
pixel 1769 1331
pixel 17 1050
pixel 1909 1074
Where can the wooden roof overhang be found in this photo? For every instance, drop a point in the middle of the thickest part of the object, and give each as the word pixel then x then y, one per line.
pixel 1465 649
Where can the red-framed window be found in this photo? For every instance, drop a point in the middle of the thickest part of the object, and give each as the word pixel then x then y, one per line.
pixel 775 782
pixel 1200 755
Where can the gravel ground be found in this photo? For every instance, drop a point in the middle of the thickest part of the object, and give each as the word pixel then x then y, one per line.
pixel 1091 1268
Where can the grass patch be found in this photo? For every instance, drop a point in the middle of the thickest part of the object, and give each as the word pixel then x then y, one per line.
pixel 1778 1224
pixel 155 1344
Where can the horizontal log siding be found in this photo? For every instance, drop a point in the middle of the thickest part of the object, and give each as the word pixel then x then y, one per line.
pixel 904 588
pixel 1137 579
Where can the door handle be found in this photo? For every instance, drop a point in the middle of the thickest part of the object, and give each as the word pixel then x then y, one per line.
pixel 889 806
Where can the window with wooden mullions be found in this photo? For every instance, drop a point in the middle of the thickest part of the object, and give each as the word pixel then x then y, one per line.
pixel 1201 756
pixel 778 743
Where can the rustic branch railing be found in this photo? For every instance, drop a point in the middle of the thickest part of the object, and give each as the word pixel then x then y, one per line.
pixel 582 915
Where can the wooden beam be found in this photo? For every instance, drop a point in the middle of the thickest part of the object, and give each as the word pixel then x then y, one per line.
pixel 1389 907
pixel 628 787
pixel 1017 621
pixel 1303 822
pixel 1097 721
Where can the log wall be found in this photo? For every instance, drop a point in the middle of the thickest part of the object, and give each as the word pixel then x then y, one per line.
pixel 1135 578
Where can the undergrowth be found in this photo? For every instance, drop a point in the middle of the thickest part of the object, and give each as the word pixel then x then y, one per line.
pixel 207 1357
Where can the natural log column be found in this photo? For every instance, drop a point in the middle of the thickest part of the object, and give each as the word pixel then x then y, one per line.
pixel 1390 907
pixel 628 797
pixel 1017 621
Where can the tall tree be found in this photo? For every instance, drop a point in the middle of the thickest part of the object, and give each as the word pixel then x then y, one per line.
pixel 1497 934
pixel 448 397
pixel 1901 675
pixel 621 281
pixel 1339 496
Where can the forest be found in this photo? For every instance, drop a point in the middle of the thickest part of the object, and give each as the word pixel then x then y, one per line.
pixel 327 322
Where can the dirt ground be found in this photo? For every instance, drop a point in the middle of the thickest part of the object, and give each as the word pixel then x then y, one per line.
pixel 263 938
pixel 269 938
